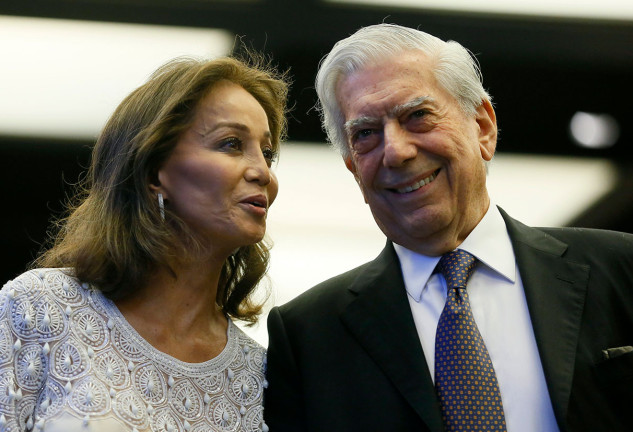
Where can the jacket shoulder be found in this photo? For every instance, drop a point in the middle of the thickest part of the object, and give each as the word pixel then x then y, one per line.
pixel 592 241
pixel 584 244
pixel 327 294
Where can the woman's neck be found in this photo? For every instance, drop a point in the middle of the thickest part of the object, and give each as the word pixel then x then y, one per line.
pixel 176 311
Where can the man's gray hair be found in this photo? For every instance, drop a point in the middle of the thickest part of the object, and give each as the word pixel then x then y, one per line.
pixel 455 69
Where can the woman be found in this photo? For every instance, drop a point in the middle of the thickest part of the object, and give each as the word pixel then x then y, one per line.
pixel 127 324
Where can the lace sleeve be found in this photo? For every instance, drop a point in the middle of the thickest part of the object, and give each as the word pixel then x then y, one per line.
pixel 25 321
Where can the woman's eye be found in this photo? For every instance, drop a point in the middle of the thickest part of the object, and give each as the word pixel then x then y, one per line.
pixel 231 143
pixel 270 155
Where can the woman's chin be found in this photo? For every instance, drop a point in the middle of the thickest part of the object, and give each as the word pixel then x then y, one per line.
pixel 251 238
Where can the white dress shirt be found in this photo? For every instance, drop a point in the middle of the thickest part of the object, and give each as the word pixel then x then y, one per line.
pixel 501 313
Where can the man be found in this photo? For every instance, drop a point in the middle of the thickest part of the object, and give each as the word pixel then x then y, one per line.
pixel 552 308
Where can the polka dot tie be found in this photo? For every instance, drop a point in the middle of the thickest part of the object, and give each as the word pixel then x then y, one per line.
pixel 465 379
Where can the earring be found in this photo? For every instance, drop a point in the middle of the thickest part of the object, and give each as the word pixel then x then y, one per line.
pixel 161 205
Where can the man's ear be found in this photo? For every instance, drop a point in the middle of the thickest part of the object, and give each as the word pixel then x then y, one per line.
pixel 350 165
pixel 487 121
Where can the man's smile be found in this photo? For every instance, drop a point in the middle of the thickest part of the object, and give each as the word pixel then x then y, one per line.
pixel 417 185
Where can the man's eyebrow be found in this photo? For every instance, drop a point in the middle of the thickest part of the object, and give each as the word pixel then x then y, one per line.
pixel 351 125
pixel 396 111
pixel 399 109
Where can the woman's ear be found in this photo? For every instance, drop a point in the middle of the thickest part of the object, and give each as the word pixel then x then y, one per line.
pixel 487 121
pixel 154 182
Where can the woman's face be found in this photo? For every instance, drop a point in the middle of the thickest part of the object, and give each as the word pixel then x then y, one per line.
pixel 218 179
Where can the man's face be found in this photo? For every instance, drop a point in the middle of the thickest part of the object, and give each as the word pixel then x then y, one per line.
pixel 417 157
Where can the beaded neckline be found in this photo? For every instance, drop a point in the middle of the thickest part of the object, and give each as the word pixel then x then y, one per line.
pixel 220 361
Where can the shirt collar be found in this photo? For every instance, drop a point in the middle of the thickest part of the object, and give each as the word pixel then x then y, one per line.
pixel 489 242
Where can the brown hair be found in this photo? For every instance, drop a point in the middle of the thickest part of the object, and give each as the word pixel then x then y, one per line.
pixel 114 234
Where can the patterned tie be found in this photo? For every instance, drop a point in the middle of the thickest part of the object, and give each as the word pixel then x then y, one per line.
pixel 464 376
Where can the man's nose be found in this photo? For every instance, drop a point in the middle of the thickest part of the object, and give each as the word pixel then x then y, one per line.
pixel 398 145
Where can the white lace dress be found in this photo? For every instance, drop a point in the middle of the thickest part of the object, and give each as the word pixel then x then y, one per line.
pixel 69 361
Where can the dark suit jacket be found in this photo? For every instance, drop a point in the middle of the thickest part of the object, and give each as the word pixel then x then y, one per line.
pixel 345 356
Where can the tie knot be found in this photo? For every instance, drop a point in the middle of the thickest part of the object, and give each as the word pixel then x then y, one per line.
pixel 456 266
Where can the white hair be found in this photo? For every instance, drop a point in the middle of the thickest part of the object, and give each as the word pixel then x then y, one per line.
pixel 455 69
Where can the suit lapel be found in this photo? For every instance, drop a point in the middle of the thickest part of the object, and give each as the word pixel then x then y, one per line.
pixel 555 290
pixel 381 321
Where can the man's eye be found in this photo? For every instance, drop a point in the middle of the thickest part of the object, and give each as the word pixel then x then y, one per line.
pixel 418 114
pixel 418 121
pixel 363 133
pixel 365 140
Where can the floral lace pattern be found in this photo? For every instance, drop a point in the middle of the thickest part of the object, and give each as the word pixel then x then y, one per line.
pixel 66 349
